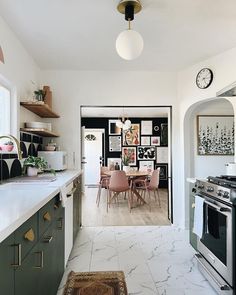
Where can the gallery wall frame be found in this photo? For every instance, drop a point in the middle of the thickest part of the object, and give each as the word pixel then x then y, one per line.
pixel 215 135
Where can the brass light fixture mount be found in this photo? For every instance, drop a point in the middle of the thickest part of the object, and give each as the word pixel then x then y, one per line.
pixel 129 8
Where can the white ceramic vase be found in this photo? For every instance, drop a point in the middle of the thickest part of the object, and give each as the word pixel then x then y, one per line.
pixel 126 168
pixel 32 171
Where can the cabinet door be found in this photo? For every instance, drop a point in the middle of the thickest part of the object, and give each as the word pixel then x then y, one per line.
pixel 27 275
pixel 47 245
pixel 6 268
pixel 77 207
pixel 59 229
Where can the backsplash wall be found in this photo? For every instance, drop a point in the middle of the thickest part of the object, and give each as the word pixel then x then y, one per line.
pixel 10 166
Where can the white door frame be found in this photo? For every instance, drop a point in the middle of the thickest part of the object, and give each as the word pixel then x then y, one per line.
pixel 170 164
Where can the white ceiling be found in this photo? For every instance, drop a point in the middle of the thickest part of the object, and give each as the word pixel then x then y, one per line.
pixel 80 35
pixel 131 112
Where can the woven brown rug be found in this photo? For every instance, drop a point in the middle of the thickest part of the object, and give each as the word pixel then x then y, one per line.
pixel 96 283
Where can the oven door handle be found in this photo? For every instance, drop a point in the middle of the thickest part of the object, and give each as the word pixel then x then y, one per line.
pixel 218 208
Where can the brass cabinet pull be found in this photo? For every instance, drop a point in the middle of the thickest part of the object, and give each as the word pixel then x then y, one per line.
pixel 60 227
pixel 29 235
pixel 47 216
pixel 48 239
pixel 41 259
pixel 71 192
pixel 19 255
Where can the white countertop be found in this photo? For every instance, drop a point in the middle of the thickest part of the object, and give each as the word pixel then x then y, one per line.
pixel 18 202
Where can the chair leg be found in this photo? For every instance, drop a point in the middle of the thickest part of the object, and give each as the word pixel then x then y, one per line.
pixel 108 195
pixel 155 194
pixel 159 199
pixel 149 195
pixel 98 195
pixel 130 200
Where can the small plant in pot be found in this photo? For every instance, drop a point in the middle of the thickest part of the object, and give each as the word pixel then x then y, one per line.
pixel 34 165
pixel 126 159
pixel 7 146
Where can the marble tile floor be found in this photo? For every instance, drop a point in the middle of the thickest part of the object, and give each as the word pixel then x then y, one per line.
pixel 155 259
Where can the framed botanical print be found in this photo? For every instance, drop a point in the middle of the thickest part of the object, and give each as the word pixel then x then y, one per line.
pixel 215 135
pixel 129 152
pixel 132 135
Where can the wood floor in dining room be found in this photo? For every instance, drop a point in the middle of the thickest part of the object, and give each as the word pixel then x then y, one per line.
pixel 118 213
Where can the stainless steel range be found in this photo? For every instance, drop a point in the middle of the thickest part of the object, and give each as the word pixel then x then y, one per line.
pixel 216 246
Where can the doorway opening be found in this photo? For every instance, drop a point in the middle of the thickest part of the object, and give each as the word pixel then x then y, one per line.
pixel 103 144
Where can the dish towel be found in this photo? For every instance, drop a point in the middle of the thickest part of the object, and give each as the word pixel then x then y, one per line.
pixel 63 195
pixel 198 216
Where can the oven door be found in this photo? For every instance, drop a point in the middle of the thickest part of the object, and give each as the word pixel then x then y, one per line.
pixel 216 242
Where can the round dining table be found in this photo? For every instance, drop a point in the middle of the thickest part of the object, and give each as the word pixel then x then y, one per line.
pixel 132 174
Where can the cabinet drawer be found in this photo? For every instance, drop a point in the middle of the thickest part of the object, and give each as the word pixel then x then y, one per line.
pixel 46 216
pixel 27 235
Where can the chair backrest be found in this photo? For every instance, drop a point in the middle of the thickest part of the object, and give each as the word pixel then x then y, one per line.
pixel 154 180
pixel 118 181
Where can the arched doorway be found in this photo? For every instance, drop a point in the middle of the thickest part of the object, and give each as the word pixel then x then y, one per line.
pixel 197 165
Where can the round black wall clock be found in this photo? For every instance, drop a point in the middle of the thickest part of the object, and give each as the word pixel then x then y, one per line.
pixel 204 78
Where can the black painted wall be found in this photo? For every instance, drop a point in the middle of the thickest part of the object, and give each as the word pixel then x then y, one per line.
pixel 103 123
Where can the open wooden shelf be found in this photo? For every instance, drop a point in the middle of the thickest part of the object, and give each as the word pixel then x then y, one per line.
pixel 41 132
pixel 42 110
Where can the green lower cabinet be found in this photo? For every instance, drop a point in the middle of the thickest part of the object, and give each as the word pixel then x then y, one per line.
pixel 77 208
pixel 59 228
pixel 28 273
pixel 6 268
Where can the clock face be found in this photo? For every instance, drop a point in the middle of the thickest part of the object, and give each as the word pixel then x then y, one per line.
pixel 204 78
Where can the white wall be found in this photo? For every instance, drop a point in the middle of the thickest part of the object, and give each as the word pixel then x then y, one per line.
pixel 189 97
pixel 17 72
pixel 203 166
pixel 71 89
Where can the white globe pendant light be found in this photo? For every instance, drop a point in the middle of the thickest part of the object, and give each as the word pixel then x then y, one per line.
pixel 129 43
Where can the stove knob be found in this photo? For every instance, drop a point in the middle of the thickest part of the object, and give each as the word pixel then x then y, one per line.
pixel 219 193
pixel 226 195
pixel 210 189
pixel 200 186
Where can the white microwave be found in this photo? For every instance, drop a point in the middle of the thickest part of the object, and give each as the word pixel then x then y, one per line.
pixel 56 160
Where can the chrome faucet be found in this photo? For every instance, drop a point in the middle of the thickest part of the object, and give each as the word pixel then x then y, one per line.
pixel 19 152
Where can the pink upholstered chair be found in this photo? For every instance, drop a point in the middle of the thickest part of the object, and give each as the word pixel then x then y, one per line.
pixel 118 184
pixel 150 185
pixel 103 182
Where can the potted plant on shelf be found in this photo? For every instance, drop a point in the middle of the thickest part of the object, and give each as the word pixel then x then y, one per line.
pixel 34 165
pixel 40 94
pixel 7 146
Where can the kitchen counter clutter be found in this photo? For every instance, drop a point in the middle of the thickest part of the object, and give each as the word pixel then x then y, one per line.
pixel 19 201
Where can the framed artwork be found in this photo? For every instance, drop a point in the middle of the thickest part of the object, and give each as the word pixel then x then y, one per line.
pixel 162 154
pixel 215 135
pixel 131 153
pixel 163 171
pixel 146 153
pixel 146 127
pixel 132 135
pixel 145 140
pixel 145 165
pixel 115 143
pixel 164 134
pixel 155 140
pixel 113 129
pixel 113 161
